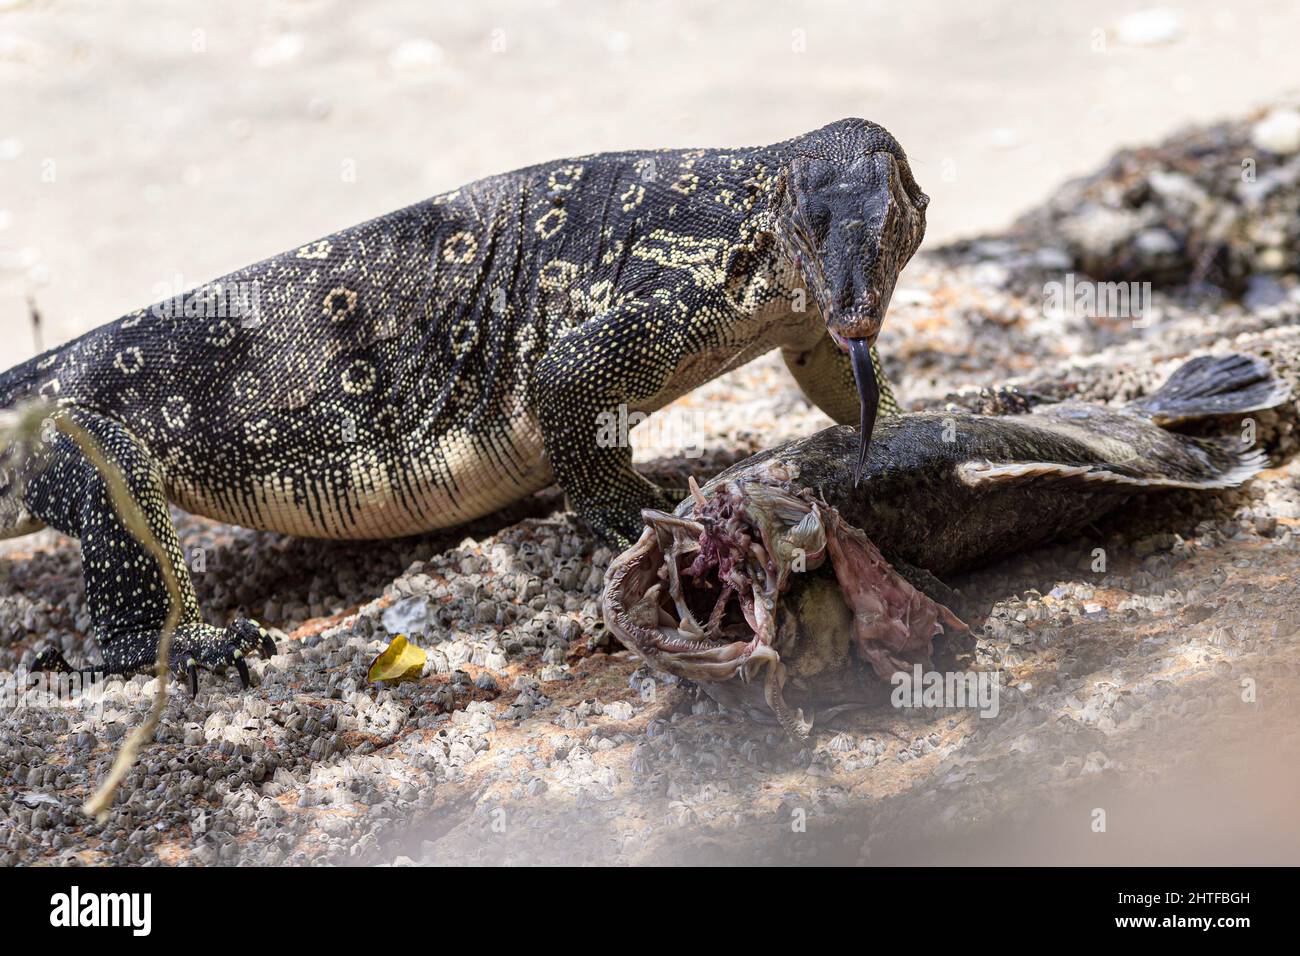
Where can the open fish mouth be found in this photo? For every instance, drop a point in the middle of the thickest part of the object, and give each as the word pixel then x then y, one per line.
pixel 700 594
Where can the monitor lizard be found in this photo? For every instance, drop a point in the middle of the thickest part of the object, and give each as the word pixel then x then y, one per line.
pixel 437 363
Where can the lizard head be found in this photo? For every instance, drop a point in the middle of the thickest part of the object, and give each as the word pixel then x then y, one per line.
pixel 847 209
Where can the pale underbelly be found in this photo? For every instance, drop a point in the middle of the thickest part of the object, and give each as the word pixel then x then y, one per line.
pixel 459 478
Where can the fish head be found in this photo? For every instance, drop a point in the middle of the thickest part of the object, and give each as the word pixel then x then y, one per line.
pixel 848 210
pixel 757 585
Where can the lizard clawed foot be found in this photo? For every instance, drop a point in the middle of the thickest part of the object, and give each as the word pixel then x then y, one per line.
pixel 226 648
pixel 195 647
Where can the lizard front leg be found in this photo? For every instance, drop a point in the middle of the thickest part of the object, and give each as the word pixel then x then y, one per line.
pixel 624 357
pixel 826 377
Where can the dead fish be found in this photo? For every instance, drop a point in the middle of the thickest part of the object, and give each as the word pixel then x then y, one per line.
pixel 785 584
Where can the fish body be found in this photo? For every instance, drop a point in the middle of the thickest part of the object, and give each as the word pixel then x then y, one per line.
pixel 738 582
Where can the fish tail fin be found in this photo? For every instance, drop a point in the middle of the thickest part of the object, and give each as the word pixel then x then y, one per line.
pixel 1214 385
pixel 1230 463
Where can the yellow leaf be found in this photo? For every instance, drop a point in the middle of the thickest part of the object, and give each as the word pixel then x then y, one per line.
pixel 400 661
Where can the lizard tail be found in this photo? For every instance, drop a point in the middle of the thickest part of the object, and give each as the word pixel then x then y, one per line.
pixel 18 383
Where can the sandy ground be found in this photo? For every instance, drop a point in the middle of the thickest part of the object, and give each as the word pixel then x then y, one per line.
pixel 1156 691
pixel 150 146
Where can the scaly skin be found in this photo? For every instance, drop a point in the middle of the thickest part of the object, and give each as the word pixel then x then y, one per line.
pixel 437 363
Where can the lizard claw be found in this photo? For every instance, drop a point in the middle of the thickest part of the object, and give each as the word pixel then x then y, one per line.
pixel 268 646
pixel 242 666
pixel 192 673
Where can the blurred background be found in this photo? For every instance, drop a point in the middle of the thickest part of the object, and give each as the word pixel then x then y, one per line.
pixel 147 146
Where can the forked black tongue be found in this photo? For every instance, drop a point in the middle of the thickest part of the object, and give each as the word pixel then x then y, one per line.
pixel 864 373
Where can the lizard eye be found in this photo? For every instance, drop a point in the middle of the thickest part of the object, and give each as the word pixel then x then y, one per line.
pixel 819 219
